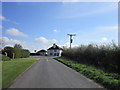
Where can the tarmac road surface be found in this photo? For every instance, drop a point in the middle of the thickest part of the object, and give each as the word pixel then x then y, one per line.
pixel 49 73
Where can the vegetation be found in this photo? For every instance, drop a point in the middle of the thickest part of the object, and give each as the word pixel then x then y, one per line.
pixel 8 51
pixel 0 74
pixel 34 57
pixel 34 54
pixel 16 52
pixel 104 57
pixel 11 69
pixel 4 58
pixel 108 80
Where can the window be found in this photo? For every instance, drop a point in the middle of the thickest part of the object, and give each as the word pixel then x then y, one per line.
pixel 57 54
pixel 54 54
pixel 55 50
pixel 50 54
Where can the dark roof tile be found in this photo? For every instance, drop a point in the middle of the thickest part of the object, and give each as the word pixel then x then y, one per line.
pixel 54 47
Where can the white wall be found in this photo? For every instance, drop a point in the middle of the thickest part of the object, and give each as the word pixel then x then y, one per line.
pixel 53 52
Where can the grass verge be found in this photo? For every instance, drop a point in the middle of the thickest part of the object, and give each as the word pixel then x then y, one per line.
pixel 110 81
pixel 0 74
pixel 11 69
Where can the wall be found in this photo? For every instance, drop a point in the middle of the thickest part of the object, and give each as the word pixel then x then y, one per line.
pixel 54 53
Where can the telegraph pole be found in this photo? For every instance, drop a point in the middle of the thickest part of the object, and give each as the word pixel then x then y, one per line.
pixel 71 40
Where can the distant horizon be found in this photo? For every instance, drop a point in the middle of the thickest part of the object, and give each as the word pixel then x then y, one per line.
pixel 37 25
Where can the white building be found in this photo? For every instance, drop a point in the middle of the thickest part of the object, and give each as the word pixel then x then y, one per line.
pixel 54 51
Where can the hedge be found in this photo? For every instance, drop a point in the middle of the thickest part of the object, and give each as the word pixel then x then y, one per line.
pixel 105 57
pixel 17 51
pixel 5 58
pixel 108 80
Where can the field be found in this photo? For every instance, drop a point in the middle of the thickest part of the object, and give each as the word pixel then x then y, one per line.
pixel 13 68
pixel 108 80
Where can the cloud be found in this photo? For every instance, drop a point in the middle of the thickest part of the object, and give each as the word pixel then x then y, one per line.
pixel 5 41
pixel 15 32
pixel 44 40
pixel 76 10
pixel 2 18
pixel 104 39
pixel 97 34
pixel 55 30
pixel 108 28
pixel 67 45
pixel 1 27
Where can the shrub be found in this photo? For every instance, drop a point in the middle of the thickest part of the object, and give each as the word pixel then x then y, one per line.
pixel 17 51
pixel 5 58
pixel 9 51
pixel 104 56
pixel 108 80
pixel 25 53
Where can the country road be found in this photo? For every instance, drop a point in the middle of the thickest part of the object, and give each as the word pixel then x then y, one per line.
pixel 49 73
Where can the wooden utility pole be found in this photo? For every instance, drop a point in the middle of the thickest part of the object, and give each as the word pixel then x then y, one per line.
pixel 71 40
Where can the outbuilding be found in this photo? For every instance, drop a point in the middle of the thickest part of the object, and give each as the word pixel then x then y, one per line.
pixel 42 52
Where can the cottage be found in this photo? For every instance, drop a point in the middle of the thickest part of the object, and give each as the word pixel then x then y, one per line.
pixel 54 51
pixel 42 52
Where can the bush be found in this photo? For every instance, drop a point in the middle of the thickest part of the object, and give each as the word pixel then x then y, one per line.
pixel 25 53
pixel 108 80
pixel 5 58
pixel 9 51
pixel 17 51
pixel 104 56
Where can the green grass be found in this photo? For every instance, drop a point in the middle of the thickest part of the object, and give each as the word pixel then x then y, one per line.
pixel 11 69
pixel 108 80
pixel 34 57
pixel 0 75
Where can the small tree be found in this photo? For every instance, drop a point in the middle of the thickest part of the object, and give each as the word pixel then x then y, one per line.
pixel 8 51
pixel 18 50
pixel 18 46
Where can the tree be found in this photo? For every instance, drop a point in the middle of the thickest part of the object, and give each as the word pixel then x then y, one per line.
pixel 18 46
pixel 25 53
pixel 9 51
pixel 16 52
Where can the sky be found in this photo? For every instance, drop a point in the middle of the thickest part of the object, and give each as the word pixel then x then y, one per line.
pixel 37 25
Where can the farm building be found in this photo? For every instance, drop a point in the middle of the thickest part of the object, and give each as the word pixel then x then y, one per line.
pixel 54 50
pixel 42 52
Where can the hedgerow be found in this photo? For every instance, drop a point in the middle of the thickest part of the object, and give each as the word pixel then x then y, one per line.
pixel 105 57
pixel 16 51
pixel 108 80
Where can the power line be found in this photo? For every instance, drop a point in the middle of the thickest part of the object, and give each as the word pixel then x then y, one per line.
pixel 71 40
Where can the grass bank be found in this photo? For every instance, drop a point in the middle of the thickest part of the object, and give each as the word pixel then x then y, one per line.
pixel 0 74
pixel 13 68
pixel 108 80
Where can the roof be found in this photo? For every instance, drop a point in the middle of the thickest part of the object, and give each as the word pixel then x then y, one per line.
pixel 54 47
pixel 42 50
